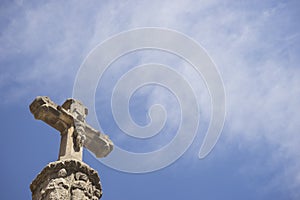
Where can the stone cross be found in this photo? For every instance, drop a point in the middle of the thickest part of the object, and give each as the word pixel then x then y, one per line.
pixel 69 120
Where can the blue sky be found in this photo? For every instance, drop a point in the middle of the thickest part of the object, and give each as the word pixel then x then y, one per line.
pixel 255 45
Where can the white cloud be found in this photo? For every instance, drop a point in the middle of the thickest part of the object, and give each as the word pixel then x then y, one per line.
pixel 262 85
pixel 253 44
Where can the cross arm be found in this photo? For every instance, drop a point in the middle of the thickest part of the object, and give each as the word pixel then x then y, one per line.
pixel 97 142
pixel 54 115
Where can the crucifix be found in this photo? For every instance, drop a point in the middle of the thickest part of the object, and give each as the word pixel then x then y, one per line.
pixel 69 120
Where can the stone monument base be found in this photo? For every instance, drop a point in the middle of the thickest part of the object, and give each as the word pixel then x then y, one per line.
pixel 66 180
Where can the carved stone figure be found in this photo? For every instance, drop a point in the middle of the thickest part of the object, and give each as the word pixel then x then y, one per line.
pixel 69 178
pixel 78 182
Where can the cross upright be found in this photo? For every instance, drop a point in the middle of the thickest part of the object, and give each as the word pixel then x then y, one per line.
pixel 69 120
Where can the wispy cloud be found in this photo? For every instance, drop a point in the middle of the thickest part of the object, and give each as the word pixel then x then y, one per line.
pixel 254 44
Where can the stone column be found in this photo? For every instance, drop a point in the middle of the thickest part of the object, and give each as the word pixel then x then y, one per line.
pixel 66 180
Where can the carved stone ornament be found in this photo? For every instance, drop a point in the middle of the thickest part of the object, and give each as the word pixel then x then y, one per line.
pixel 66 180
pixel 69 178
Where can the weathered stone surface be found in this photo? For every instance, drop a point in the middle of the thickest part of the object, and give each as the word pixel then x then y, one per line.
pixel 65 180
pixel 69 119
pixel 69 178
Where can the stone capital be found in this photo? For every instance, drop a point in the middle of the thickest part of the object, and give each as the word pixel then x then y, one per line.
pixel 66 180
